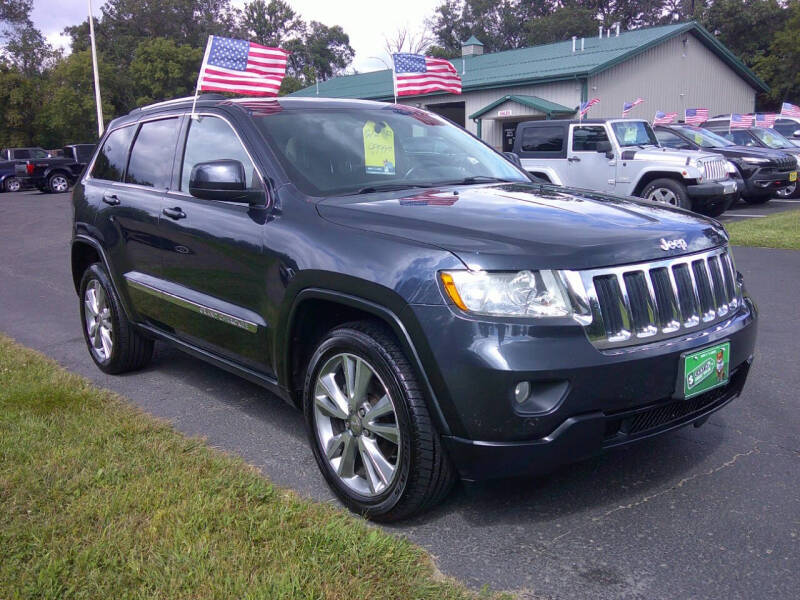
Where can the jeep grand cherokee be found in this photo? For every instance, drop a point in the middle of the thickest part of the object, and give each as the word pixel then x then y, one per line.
pixel 433 310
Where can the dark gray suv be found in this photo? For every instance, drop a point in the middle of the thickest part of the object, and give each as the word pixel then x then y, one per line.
pixel 434 311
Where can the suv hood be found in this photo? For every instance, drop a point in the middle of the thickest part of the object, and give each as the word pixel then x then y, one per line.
pixel 528 226
pixel 665 155
pixel 742 151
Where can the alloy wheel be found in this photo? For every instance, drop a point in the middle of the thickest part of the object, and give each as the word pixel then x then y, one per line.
pixel 356 424
pixel 97 315
pixel 59 184
pixel 664 195
pixel 787 192
pixel 13 185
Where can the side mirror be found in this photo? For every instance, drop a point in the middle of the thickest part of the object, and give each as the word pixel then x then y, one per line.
pixel 604 147
pixel 223 180
pixel 796 133
pixel 513 158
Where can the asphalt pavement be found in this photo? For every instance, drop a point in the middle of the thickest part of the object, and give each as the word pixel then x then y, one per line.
pixel 712 512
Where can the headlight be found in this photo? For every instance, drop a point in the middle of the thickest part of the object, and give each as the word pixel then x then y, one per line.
pixel 730 167
pixel 521 294
pixel 754 160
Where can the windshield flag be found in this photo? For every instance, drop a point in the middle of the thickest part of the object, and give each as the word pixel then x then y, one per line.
pixel 416 74
pixel 663 118
pixel 741 121
pixel 766 120
pixel 695 116
pixel 585 106
pixel 790 110
pixel 628 106
pixel 242 67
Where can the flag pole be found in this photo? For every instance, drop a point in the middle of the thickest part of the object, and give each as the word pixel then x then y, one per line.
pixel 96 75
pixel 200 76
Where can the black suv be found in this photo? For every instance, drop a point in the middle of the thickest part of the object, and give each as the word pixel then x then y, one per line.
pixel 12 166
pixel 764 171
pixel 432 310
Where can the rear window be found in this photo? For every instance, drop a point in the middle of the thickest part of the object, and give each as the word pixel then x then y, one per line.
pixel 153 154
pixel 110 163
pixel 82 154
pixel 542 139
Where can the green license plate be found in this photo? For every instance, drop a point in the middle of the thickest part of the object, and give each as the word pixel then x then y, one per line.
pixel 706 369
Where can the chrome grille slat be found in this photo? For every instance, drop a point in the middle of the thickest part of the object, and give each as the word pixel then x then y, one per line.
pixel 659 299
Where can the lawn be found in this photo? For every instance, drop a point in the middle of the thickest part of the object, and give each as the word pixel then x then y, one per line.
pixel 98 500
pixel 781 230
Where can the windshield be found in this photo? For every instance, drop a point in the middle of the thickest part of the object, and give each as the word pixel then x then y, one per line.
pixel 340 151
pixel 634 133
pixel 772 138
pixel 704 138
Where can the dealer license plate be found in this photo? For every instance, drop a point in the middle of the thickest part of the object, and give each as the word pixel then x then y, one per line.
pixel 793 176
pixel 706 369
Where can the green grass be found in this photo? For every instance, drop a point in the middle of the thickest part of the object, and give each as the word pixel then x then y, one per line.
pixel 98 500
pixel 781 230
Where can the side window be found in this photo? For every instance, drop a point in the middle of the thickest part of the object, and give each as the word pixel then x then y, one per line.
pixel 542 139
pixel 153 153
pixel 110 162
pixel 670 140
pixel 22 153
pixel 209 139
pixel 38 153
pixel 741 138
pixel 786 126
pixel 585 138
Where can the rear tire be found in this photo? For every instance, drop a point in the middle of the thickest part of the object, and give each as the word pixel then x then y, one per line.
pixel 113 344
pixel 344 437
pixel 58 183
pixel 667 191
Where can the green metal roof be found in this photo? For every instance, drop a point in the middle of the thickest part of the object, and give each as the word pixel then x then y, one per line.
pixel 551 62
pixel 545 106
pixel 472 41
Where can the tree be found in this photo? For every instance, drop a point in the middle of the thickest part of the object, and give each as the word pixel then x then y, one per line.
pixel 163 69
pixel 403 40
pixel 17 111
pixel 272 24
pixel 778 66
pixel 561 25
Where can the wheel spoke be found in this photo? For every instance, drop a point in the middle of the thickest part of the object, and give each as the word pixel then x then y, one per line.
pixel 92 329
pixel 105 339
pixel 378 468
pixel 335 443
pixel 382 408
pixel 330 398
pixel 388 432
pixel 347 461
pixel 357 376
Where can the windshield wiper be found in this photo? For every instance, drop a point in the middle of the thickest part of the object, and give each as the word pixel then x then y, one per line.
pixel 478 179
pixel 389 187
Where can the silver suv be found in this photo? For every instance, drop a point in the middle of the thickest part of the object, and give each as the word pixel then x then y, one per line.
pixel 623 156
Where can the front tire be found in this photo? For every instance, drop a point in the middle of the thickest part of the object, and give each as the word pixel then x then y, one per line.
pixel 667 191
pixel 369 426
pixel 113 344
pixel 790 191
pixel 12 184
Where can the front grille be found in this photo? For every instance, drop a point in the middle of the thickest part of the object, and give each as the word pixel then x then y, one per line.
pixel 650 301
pixel 715 169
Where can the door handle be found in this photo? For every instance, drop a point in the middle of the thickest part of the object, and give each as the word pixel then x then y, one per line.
pixel 574 159
pixel 174 213
pixel 110 199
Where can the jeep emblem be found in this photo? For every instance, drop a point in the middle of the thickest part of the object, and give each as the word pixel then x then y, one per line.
pixel 673 244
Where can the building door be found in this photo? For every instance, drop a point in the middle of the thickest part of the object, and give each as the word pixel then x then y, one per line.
pixel 509 135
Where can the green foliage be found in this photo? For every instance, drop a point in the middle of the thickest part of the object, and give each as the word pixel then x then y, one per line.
pixel 162 69
pixel 16 111
pixel 778 65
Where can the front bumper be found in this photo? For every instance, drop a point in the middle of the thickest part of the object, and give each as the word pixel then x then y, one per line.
pixel 712 192
pixel 765 184
pixel 585 399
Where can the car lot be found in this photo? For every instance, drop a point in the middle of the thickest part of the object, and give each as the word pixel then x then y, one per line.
pixel 709 512
pixel 742 210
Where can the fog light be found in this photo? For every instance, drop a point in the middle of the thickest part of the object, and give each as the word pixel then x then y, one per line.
pixel 522 391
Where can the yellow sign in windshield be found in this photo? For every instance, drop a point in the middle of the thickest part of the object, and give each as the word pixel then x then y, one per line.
pixel 378 148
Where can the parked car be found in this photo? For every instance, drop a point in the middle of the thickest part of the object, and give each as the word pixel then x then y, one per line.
pixel 787 126
pixel 10 158
pixel 56 174
pixel 760 138
pixel 764 171
pixel 622 156
pixel 434 313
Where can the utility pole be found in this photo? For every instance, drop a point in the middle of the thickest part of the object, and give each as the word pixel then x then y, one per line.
pixel 96 75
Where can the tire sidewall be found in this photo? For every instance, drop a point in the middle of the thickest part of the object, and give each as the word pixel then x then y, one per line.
pixel 96 272
pixel 356 342
pixel 50 183
pixel 675 187
pixel 12 180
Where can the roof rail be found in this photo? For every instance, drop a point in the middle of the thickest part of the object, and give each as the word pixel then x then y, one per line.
pixel 179 100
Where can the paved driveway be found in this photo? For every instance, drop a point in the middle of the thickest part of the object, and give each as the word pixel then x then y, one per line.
pixel 702 513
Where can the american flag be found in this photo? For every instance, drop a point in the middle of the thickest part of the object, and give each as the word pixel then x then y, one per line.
pixel 231 65
pixel 766 120
pixel 790 110
pixel 741 121
pixel 416 74
pixel 663 118
pixel 628 106
pixel 585 106
pixel 695 116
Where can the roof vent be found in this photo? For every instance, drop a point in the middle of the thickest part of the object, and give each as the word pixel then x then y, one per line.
pixel 472 47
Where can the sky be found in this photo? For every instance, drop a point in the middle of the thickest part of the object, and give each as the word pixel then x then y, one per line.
pixel 366 22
